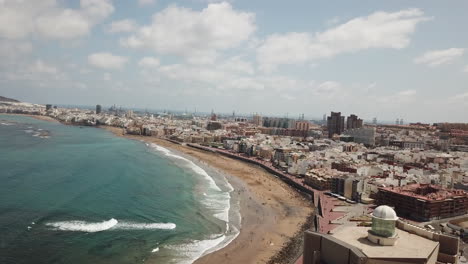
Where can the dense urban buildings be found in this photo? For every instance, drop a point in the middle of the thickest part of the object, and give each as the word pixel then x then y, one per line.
pixel 421 170
pixel 424 202
pixel 257 120
pixel 335 124
pixel 353 122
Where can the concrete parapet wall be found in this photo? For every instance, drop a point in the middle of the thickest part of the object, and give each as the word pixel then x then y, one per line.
pixel 330 250
pixel 448 245
pixel 445 258
pixel 312 243
pixel 416 230
pixel 334 251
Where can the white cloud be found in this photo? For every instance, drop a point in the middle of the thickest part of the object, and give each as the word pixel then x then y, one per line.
pixel 80 86
pixel 230 75
pixel 146 2
pixel 40 67
pixel 378 30
pixel 20 19
pixel 17 18
pixel 215 77
pixel 402 97
pixel 214 1
pixel 12 49
pixel 96 10
pixel 465 69
pixel 182 31
pixel 107 76
pixel 149 62
pixel 126 25
pixel 107 60
pixel 439 57
pixel 406 93
pixel 463 96
pixel 236 64
pixel 26 70
pixel 328 89
pixel 63 25
pixel 189 73
pixel 202 57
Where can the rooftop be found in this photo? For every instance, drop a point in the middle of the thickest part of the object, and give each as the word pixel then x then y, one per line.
pixel 427 192
pixel 408 245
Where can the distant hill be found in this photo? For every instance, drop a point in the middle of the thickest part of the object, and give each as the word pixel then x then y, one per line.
pixel 5 99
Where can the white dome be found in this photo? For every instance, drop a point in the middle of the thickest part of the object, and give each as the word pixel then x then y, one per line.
pixel 385 212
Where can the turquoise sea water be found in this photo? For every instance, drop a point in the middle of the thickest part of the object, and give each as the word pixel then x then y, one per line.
pixel 81 195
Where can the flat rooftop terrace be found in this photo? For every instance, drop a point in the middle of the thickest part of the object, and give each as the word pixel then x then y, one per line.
pixel 408 246
pixel 427 192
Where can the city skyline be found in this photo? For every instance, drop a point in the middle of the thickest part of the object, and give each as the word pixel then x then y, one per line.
pixel 387 60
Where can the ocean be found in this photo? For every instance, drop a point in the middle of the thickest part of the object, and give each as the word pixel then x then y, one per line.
pixel 72 194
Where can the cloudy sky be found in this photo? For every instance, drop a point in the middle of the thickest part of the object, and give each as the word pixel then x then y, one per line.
pixel 384 59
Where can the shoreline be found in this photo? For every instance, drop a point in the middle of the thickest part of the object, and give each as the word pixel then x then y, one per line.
pixel 273 214
pixel 38 117
pixel 222 181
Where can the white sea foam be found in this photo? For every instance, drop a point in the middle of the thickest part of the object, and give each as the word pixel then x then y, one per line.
pixel 111 224
pixel 5 124
pixel 83 225
pixel 215 199
pixel 143 226
pixel 189 252
pixel 155 250
pixel 218 201
pixel 192 166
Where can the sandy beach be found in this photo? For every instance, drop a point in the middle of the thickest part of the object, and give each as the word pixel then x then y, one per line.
pixel 272 212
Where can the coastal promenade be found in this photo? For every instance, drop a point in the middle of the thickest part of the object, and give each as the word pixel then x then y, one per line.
pixel 324 204
pixel 324 216
pixel 287 178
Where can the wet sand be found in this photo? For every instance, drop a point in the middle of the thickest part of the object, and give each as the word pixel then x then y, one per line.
pixel 272 212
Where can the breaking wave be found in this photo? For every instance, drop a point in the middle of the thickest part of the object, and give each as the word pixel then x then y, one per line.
pixel 218 201
pixel 144 226
pixel 191 251
pixel 215 199
pixel 83 226
pixel 112 224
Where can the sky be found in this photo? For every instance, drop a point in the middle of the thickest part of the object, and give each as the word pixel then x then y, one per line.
pixel 385 59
